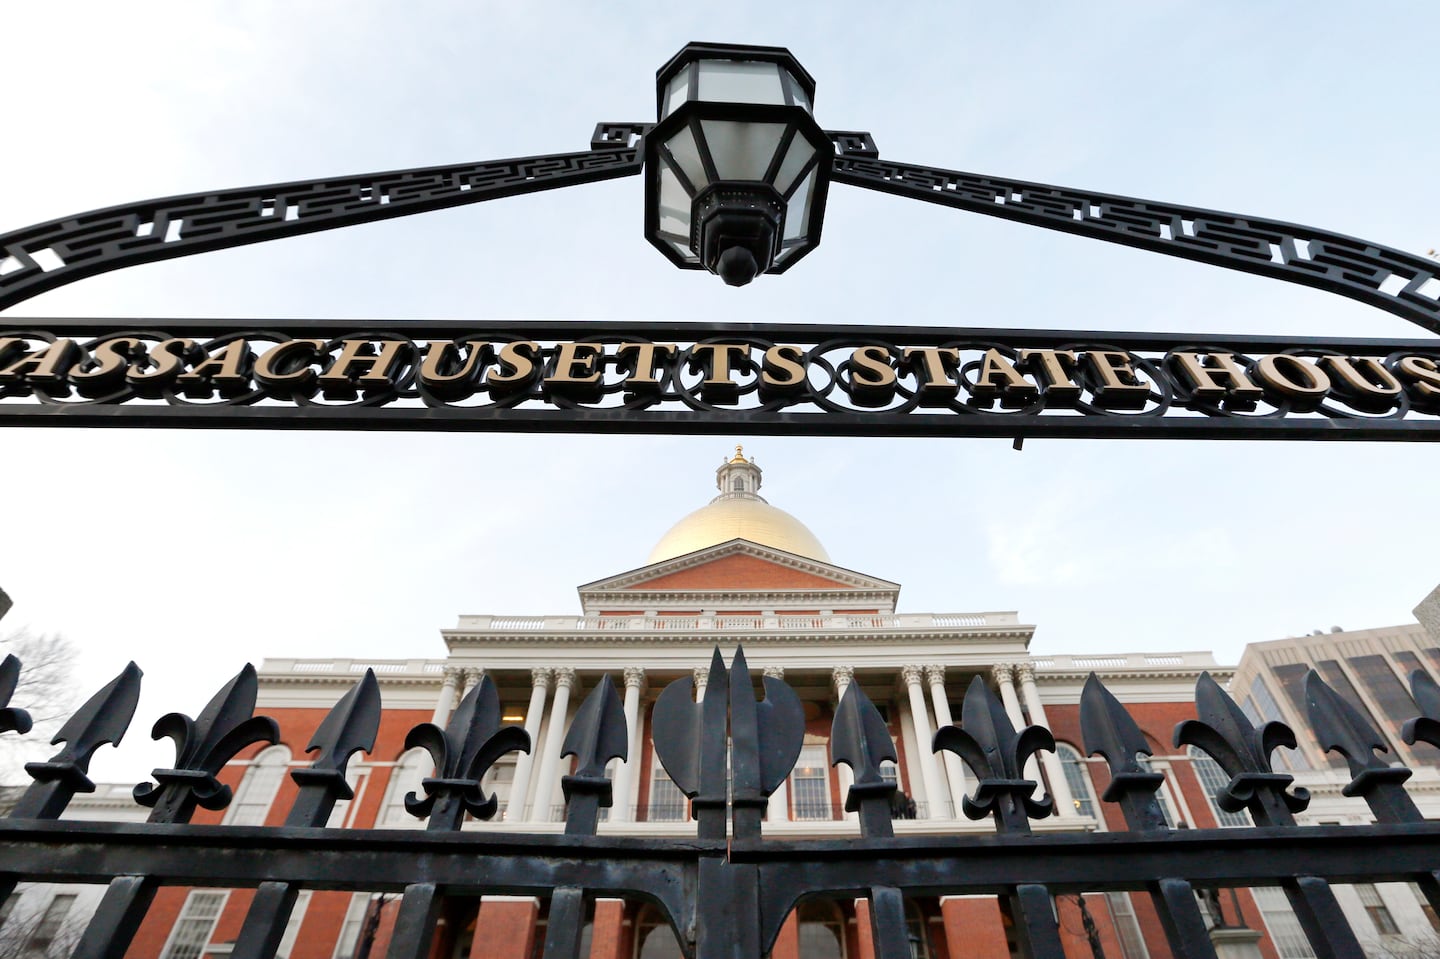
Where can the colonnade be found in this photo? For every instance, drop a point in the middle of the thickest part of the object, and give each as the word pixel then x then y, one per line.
pixel 937 782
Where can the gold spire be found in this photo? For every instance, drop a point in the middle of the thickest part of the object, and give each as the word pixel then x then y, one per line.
pixel 739 456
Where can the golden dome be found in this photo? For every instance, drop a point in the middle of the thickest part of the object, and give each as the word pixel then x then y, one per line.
pixel 738 513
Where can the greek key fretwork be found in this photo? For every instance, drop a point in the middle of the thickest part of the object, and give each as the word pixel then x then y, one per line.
pixel 1400 283
pixel 47 255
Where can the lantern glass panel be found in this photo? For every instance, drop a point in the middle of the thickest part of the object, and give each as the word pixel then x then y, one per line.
pixel 797 92
pixel 800 152
pixel 742 151
pixel 674 203
pixel 686 152
pixel 797 209
pixel 679 91
pixel 740 81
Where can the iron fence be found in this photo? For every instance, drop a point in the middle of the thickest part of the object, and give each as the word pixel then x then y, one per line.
pixel 727 889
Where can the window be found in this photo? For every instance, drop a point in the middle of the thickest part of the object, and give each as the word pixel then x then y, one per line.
pixel 916 932
pixel 1264 709
pixel 192 929
pixel 1291 677
pixel 51 922
pixel 1122 911
pixel 257 790
pixel 821 929
pixel 1212 780
pixel 1284 926
pixel 1375 907
pixel 405 778
pixel 667 802
pixel 1425 906
pixel 1077 777
pixel 810 784
pixel 1391 696
pixel 350 928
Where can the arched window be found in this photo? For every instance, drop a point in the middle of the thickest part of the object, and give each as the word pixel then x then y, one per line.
pixel 810 784
pixel 654 939
pixel 1077 777
pixel 405 778
pixel 257 790
pixel 667 802
pixel 822 930
pixel 1212 780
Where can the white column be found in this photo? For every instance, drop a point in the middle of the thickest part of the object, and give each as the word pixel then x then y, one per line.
pixel 1054 768
pixel 549 758
pixel 778 809
pixel 447 696
pixel 534 714
pixel 626 774
pixel 471 678
pixel 842 677
pixel 1005 675
pixel 929 772
pixel 954 768
pixel 702 679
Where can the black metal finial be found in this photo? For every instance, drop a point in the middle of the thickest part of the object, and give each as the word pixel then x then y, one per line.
pixel 349 727
pixel 690 741
pixel 860 740
pixel 463 752
pixel 103 719
pixel 766 738
pixel 1424 728
pixel 986 739
pixel 12 719
pixel 1340 727
pixel 598 734
pixel 1226 733
pixel 203 745
pixel 1110 731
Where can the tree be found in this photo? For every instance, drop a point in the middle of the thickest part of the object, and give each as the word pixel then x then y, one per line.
pixel 45 689
pixel 37 928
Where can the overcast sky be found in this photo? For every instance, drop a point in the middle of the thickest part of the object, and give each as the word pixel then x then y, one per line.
pixel 192 552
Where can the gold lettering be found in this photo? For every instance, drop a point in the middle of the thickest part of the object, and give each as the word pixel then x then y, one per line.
pixel 1424 376
pixel 1205 371
pixel 1290 378
pixel 517 368
pixel 718 385
pixel 999 378
pixel 165 361
pixel 642 378
pixel 287 366
pixel 872 378
pixel 50 364
pixel 339 381
pixel 1119 388
pixel 1364 383
pixel 1050 368
pixel 439 375
pixel 930 368
pixel 230 372
pixel 577 374
pixel 110 359
pixel 782 372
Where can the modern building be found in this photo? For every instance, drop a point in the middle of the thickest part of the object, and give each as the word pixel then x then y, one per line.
pixel 739 571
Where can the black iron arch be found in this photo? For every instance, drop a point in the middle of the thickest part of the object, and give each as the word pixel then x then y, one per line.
pixel 48 255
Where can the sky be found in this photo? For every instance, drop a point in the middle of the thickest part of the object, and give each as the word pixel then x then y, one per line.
pixel 193 551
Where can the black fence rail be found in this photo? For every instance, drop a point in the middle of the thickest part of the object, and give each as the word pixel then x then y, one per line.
pixel 727 889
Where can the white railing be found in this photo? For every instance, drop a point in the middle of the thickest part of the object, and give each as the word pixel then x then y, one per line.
pixel 1127 661
pixel 737 623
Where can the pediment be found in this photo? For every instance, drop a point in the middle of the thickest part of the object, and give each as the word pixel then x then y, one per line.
pixel 737 566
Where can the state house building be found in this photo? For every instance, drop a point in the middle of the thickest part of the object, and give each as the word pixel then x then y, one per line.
pixel 741 571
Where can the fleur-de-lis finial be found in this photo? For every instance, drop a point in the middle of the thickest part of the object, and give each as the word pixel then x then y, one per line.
pixel 203 745
pixel 1226 733
pixel 1110 731
pixel 1425 727
pixel 12 719
pixel 469 745
pixel 103 719
pixel 860 740
pixel 598 734
pixel 1341 728
pixel 986 739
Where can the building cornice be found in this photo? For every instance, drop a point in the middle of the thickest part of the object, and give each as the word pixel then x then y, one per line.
pixel 814 567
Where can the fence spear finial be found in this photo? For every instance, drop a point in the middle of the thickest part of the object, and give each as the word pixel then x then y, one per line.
pixel 766 738
pixel 691 743
pixel 986 739
pixel 598 734
pixel 349 727
pixel 103 719
pixel 1110 731
pixel 860 740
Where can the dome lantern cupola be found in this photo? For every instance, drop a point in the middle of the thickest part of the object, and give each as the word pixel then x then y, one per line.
pixel 738 475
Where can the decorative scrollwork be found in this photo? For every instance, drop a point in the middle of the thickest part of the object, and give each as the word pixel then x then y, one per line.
pixel 1400 283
